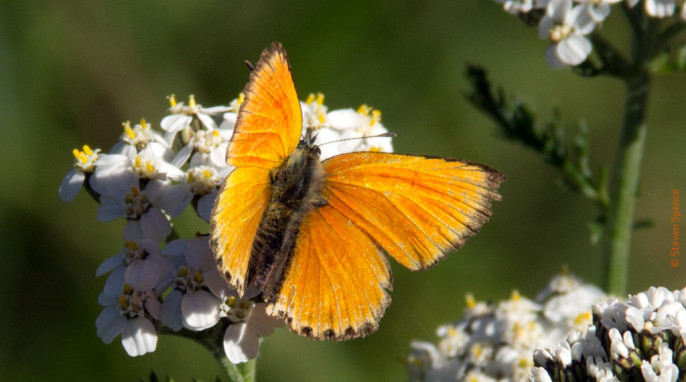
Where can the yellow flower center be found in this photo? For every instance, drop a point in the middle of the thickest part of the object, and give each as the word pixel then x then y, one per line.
pixel 516 296
pixel 469 299
pixel 560 32
pixel 172 100
pixel 128 130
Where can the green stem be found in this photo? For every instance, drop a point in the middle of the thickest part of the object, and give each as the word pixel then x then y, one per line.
pixel 243 372
pixel 627 170
pixel 625 184
pixel 211 339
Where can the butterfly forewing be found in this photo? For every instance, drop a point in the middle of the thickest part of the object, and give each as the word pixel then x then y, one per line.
pixel 235 219
pixel 418 209
pixel 268 129
pixel 269 122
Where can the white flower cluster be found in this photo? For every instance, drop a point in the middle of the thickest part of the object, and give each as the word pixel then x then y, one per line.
pixel 496 342
pixel 158 282
pixel 641 339
pixel 566 23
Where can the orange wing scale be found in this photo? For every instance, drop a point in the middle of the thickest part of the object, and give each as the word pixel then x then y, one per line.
pixel 418 209
pixel 269 121
pixel 235 219
pixel 336 284
pixel 336 281
pixel 267 131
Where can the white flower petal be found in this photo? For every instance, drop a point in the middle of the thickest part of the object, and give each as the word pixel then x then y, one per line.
pixel 175 122
pixel 115 282
pixel 573 50
pixel 153 307
pixel 634 317
pixel 157 150
pixel 129 152
pixel 544 27
pixel 599 12
pixel 142 274
pixel 182 156
pixel 215 110
pixel 109 264
pixel 155 225
pixel 175 199
pixel 581 20
pixel 155 188
pixel 207 121
pixel 343 119
pixel 113 176
pixel 110 208
pixel 198 254
pixel 105 299
pixel 241 343
pixel 540 374
pixel 218 156
pixel 71 185
pixel 326 140
pixel 109 324
pixel 119 147
pixel 250 293
pixel 174 173
pixel 175 247
pixel 558 9
pixel 205 205
pixel 216 283
pixel 200 310
pixel 648 372
pixel 552 59
pixel 660 8
pixel 170 313
pixel 132 231
pixel 229 122
pixel 139 337
pixel 262 323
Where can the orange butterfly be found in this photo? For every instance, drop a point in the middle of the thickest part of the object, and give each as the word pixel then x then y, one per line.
pixel 309 234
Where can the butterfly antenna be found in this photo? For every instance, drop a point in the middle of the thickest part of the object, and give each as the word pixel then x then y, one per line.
pixel 413 317
pixel 250 65
pixel 389 134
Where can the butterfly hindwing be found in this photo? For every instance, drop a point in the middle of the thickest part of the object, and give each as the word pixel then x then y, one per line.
pixel 418 209
pixel 335 287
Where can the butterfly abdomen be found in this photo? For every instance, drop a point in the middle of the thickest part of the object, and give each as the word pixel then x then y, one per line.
pixel 296 188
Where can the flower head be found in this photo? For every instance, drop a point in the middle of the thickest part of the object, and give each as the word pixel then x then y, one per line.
pixel 182 116
pixel 642 338
pixel 84 165
pixel 198 288
pixel 348 130
pixel 149 179
pixel 497 341
pixel 129 311
pixel 565 25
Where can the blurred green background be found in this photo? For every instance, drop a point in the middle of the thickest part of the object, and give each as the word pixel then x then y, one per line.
pixel 72 71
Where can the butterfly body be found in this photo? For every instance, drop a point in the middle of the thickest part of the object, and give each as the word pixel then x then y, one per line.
pixel 296 189
pixel 313 235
